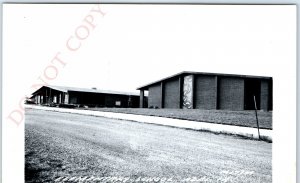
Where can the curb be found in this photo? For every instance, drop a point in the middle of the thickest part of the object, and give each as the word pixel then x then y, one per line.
pixel 248 132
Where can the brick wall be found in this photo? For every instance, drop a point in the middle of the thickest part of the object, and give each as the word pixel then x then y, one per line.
pixel 154 98
pixel 102 100
pixel 228 95
pixel 231 93
pixel 171 94
pixel 205 92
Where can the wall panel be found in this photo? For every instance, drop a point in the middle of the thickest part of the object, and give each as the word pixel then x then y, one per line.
pixel 205 92
pixel 231 93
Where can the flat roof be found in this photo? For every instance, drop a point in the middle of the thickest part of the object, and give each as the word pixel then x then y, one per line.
pixel 88 90
pixel 201 73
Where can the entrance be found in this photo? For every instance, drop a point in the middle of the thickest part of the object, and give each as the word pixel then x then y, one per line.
pixel 252 88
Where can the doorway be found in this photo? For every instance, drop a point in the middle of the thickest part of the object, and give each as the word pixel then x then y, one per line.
pixel 252 88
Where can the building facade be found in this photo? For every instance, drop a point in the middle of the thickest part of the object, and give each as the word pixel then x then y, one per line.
pixel 195 90
pixel 84 97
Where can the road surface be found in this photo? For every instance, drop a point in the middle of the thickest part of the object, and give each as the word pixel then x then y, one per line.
pixel 63 146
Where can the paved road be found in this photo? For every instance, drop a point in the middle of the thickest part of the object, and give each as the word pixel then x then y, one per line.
pixel 71 145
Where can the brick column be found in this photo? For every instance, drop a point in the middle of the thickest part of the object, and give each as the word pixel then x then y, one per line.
pixel 142 98
pixel 264 95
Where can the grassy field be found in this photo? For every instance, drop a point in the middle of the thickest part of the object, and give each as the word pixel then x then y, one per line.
pixel 239 118
pixel 71 145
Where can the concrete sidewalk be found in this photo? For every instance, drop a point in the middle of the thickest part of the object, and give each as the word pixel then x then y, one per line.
pixel 211 127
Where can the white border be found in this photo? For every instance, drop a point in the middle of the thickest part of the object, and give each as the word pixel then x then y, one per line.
pixel 173 1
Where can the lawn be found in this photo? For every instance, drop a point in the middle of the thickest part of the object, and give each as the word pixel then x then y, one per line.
pixel 238 118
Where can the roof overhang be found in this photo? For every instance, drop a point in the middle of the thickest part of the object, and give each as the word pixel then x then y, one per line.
pixel 86 90
pixel 184 73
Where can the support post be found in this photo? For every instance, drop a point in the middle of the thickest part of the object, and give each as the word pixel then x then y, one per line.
pixel 49 102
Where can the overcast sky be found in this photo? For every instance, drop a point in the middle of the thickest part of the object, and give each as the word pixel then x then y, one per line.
pixel 132 45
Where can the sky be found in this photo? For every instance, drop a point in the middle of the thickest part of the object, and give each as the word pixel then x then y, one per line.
pixel 132 45
pixel 122 47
